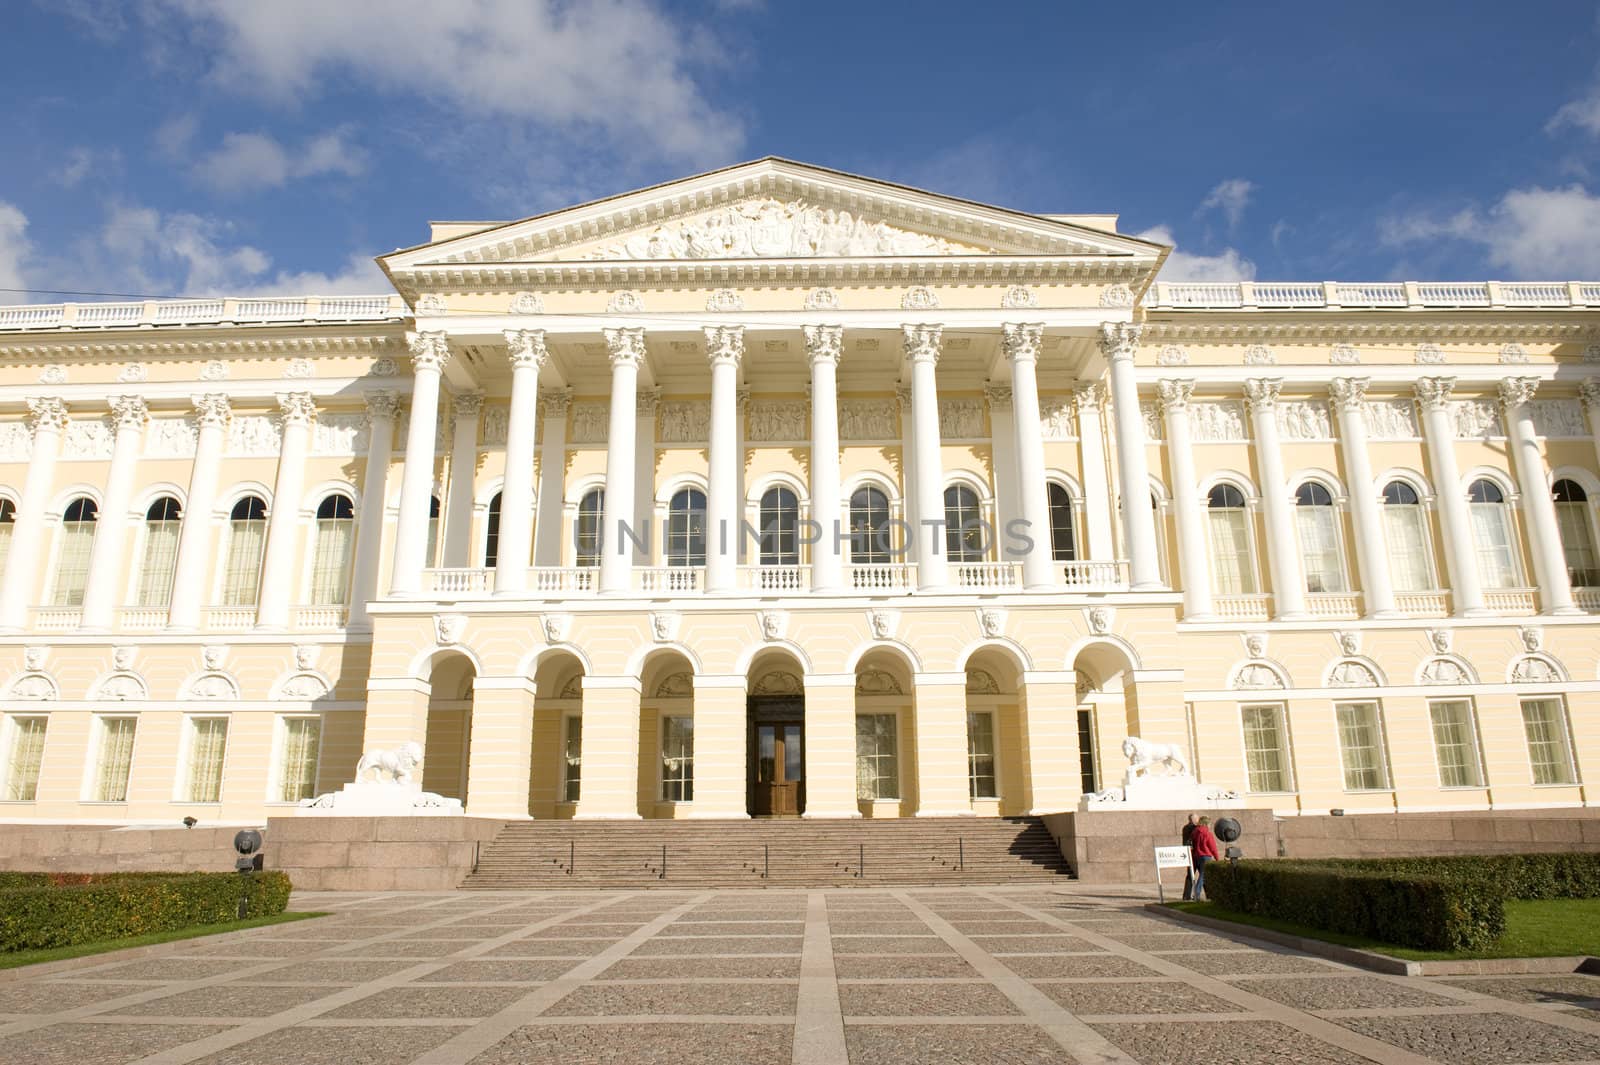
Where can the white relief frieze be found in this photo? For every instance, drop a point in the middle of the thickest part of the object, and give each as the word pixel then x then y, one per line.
pixel 496 422
pixel 1216 422
pixel 340 434
pixel 1391 419
pixel 773 229
pixel 1475 419
pixel 868 419
pixel 170 438
pixel 254 435
pixel 54 374
pixel 16 442
pixel 1154 431
pixel 1055 418
pixel 960 419
pixel 683 421
pixel 87 439
pixel 1559 418
pixel 774 419
pixel 1305 420
pixel 402 433
pixel 589 423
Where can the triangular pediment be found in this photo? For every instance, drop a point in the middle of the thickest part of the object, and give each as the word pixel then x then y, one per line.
pixel 771 209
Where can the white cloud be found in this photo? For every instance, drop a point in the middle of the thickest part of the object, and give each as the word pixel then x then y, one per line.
pixel 15 251
pixel 1584 113
pixel 174 135
pixel 1230 197
pixel 1230 265
pixel 358 276
pixel 620 66
pixel 1530 233
pixel 248 162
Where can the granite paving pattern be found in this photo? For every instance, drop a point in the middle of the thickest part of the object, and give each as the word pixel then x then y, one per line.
pixel 1012 975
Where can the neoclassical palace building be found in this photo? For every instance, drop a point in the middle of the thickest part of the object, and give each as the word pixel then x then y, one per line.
pixel 778 490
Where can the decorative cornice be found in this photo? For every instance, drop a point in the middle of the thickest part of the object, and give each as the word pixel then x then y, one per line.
pixel 1336 329
pixel 526 347
pixel 129 413
pixel 1515 391
pixel 724 344
pixel 47 415
pixel 1021 341
pixel 175 345
pixel 1172 394
pixel 1119 340
pixel 1261 393
pixel 922 342
pixel 1348 393
pixel 824 343
pixel 626 345
pixel 429 351
pixel 1434 392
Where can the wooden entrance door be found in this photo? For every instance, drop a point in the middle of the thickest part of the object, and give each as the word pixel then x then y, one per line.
pixel 779 768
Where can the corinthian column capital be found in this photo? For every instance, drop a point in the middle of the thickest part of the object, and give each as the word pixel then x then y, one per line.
pixel 1119 340
pixel 429 351
pixel 1021 341
pixel 1589 393
pixel 1173 394
pixel 1261 393
pixel 382 404
pixel 129 413
pixel 1515 391
pixel 725 344
pixel 466 404
pixel 212 411
pixel 297 408
pixel 625 344
pixel 1348 393
pixel 923 342
pixel 526 347
pixel 1434 392
pixel 47 415
pixel 824 343
pixel 999 397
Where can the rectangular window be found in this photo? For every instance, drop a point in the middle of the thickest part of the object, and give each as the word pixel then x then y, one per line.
pixel 1266 750
pixel 1455 743
pixel 1548 750
pixel 1408 549
pixel 24 739
pixel 1230 552
pixel 677 759
pixel 1577 544
pixel 113 758
pixel 1361 747
pixel 72 567
pixel 877 757
pixel 1088 778
pixel 330 567
pixel 297 758
pixel 6 524
pixel 208 743
pixel 242 577
pixel 981 782
pixel 160 563
pixel 1319 547
pixel 1491 536
pixel 572 758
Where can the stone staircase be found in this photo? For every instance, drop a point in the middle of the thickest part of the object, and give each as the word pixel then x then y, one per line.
pixel 768 853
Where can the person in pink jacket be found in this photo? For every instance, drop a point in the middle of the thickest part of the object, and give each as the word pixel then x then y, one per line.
pixel 1205 850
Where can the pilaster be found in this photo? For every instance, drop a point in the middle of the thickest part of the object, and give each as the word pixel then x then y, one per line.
pixel 719 747
pixel 500 757
pixel 610 745
pixel 831 745
pixel 941 735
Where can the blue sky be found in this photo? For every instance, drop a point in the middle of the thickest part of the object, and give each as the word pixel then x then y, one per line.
pixel 186 147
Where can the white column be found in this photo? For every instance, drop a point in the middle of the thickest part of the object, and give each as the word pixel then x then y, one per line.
pixel 1589 396
pixel 1118 341
pixel 923 344
pixel 824 344
pixel 1193 563
pixel 1349 395
pixel 1466 588
pixel 616 561
pixel 552 478
pixel 429 353
pixel 724 350
pixel 528 353
pixel 381 409
pixel 212 415
pixel 908 471
pixel 105 582
pixel 48 419
pixel 1544 535
pixel 1087 399
pixel 647 406
pixel 1283 545
pixel 1003 458
pixel 465 409
pixel 1021 345
pixel 298 410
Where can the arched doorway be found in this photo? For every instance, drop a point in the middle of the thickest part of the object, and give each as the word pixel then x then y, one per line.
pixel 886 741
pixel 775 710
pixel 666 736
pixel 448 739
pixel 1105 713
pixel 996 783
pixel 555 777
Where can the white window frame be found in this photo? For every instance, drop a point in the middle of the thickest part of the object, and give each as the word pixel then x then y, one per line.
pixel 91 772
pixel 1252 547
pixel 1564 728
pixel 58 519
pixel 1588 514
pixel 1506 509
pixel 1336 509
pixel 280 738
pixel 1472 734
pixel 224 539
pixel 899 753
pixel 569 719
pixel 661 752
pixel 993 714
pixel 311 536
pixel 183 782
pixel 1380 745
pixel 1079 516
pixel 1287 749
pixel 8 750
pixel 141 546
pixel 1425 512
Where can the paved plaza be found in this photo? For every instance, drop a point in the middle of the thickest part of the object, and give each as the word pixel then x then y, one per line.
pixel 1004 975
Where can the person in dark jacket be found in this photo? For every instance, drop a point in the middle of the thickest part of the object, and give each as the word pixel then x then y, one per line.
pixel 1188 841
pixel 1205 850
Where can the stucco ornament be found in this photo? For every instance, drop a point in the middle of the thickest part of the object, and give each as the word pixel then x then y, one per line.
pixel 1430 355
pixel 1019 297
pixel 215 370
pixel 432 303
pixel 305 656
pixel 33 686
pixel 1259 355
pixel 1444 671
pixel 919 298
pixel 1257 675
pixel 1172 355
pixel 447 628
pixel 1351 675
pixel 1344 355
pixel 723 300
pixel 527 303
pixel 773 624
pixel 122 657
pixel 882 623
pixel 1532 637
pixel 1513 354
pixel 1535 669
pixel 991 622
pixel 54 374
pixel 213 686
pixel 1117 296
pixel 557 627
pixel 664 626
pixel 134 373
pixel 1099 619
pixel 1440 640
pixel 627 302
pixel 1349 641
pixel 1591 353
pixel 121 687
pixel 298 368
pixel 877 682
pixel 822 299
pixel 383 367
pixel 1255 644
pixel 303 687
pixel 33 658
pixel 213 655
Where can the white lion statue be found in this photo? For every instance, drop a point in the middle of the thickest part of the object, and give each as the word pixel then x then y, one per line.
pixel 1142 755
pixel 396 764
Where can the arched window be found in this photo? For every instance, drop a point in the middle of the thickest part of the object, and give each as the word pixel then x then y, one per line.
pixel 431 558
pixel 247 538
pixel 1319 538
pixel 686 528
pixel 587 535
pixel 870 535
pixel 72 564
pixel 1572 518
pixel 1491 534
pixel 8 518
pixel 491 534
pixel 779 522
pixel 1232 567
pixel 1405 532
pixel 330 562
pixel 1063 533
pixel 160 560
pixel 965 539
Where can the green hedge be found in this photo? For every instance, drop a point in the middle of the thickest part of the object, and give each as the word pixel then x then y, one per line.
pixel 1518 876
pixel 41 910
pixel 1431 913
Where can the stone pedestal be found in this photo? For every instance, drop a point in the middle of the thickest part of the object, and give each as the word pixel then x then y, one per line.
pixel 1118 846
pixel 379 798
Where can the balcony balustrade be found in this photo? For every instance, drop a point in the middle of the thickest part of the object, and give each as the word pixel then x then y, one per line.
pixel 230 618
pixel 142 618
pixel 1094 576
pixel 319 618
pixel 1242 607
pixel 1517 602
pixel 886 578
pixel 1587 599
pixel 785 580
pixel 57 618
pixel 202 312
pixel 1334 604
pixel 1292 295
pixel 987 576
pixel 1422 604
